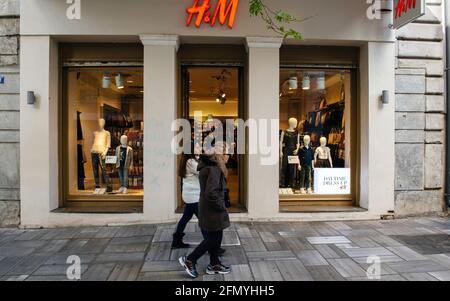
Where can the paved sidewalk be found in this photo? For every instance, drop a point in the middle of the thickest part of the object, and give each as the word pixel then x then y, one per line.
pixel 410 249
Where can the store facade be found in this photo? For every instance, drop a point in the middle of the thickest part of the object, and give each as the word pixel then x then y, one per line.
pixel 121 74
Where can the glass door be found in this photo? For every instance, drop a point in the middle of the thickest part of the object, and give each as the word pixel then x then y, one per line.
pixel 213 95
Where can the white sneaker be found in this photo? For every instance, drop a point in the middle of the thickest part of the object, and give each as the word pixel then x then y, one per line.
pixel 125 190
pixel 120 190
pixel 310 191
pixel 96 191
pixel 302 191
pixel 102 191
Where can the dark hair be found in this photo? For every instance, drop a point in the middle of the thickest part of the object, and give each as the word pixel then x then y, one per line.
pixel 183 162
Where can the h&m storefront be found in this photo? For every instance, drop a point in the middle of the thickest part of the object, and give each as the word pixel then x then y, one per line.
pixel 96 145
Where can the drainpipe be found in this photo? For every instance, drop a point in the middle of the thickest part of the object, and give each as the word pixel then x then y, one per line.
pixel 447 91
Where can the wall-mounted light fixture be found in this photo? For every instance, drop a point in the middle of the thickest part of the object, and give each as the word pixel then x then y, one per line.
pixel 31 98
pixel 385 97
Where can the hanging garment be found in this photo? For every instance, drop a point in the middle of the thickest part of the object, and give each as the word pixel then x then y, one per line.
pixel 81 158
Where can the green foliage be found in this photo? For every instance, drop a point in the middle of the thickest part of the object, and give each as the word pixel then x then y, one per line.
pixel 256 7
pixel 275 20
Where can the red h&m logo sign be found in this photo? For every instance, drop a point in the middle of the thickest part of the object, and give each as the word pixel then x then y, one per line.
pixel 403 6
pixel 205 13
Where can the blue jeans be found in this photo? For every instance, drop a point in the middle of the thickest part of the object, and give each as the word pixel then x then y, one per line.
pixel 189 211
pixel 123 177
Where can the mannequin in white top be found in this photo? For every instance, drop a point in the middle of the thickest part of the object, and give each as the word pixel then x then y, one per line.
pixel 289 146
pixel 322 155
pixel 102 140
pixel 99 150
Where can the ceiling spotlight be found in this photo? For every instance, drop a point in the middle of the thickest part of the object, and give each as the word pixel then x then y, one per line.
pixel 106 82
pixel 293 83
pixel 119 81
pixel 306 83
pixel 321 82
pixel 130 81
pixel 221 97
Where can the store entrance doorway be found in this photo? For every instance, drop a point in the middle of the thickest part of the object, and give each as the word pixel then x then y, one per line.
pixel 214 95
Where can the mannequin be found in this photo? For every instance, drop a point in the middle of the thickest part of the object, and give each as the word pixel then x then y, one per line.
pixel 100 147
pixel 306 156
pixel 289 146
pixel 124 154
pixel 322 155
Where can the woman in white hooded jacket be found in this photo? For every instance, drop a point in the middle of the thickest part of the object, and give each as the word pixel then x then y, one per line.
pixel 190 193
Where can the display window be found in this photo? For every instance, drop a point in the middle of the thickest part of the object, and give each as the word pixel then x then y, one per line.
pixel 316 121
pixel 103 134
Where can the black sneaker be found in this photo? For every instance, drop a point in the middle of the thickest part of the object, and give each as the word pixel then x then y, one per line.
pixel 188 266
pixel 218 269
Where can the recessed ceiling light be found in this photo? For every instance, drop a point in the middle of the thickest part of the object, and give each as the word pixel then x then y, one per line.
pixel 192 91
pixel 130 81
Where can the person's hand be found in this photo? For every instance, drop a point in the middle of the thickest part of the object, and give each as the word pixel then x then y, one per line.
pixel 104 155
pixel 281 155
pixel 296 152
pixel 299 167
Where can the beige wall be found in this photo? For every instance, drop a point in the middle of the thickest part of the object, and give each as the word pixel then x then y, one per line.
pixel 337 20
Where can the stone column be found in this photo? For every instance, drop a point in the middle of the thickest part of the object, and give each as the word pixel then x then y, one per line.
pixel 9 113
pixel 160 80
pixel 263 104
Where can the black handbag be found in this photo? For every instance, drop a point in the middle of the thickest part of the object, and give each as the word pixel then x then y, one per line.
pixel 227 198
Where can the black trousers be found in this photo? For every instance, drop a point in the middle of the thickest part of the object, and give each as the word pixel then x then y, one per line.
pixel 189 211
pixel 210 244
pixel 100 173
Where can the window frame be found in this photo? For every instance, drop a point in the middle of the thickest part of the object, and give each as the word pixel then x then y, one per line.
pixel 66 198
pixel 335 199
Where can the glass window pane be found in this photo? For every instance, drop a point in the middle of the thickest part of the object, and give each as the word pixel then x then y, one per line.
pixel 104 132
pixel 315 120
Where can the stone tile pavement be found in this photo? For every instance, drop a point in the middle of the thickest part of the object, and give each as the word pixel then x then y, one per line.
pixel 408 249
